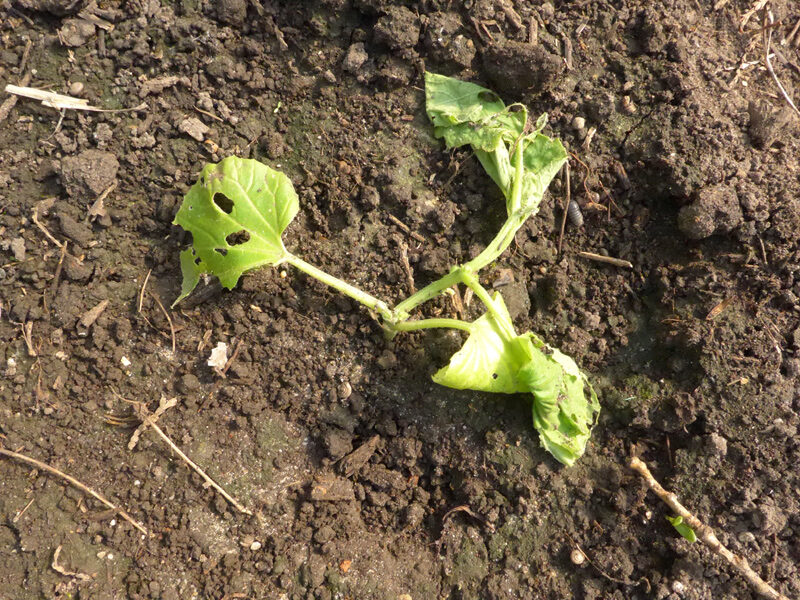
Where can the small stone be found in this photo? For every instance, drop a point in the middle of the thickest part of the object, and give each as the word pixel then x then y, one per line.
pixel 75 32
pixel 579 123
pixel 792 367
pixel 746 537
pixel 415 513
pixel 77 232
pixel 232 12
pixel 678 587
pixel 194 128
pixel 577 557
pixel 324 534
pixel 103 134
pixel 718 445
pixel 75 88
pixel 92 170
pixel 18 248
pixel 189 383
pixel 146 140
pixel 356 57
pixel 254 546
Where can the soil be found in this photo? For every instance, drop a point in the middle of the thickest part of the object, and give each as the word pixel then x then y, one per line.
pixel 366 480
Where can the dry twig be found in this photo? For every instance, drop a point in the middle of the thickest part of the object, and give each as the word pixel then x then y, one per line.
pixel 767 43
pixel 59 569
pixel 35 218
pixel 564 206
pixel 609 260
pixel 407 267
pixel 45 467
pixel 148 419
pixel 61 101
pixel 705 534
pixel 169 319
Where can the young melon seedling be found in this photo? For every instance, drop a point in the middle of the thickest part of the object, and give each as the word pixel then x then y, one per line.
pixel 239 208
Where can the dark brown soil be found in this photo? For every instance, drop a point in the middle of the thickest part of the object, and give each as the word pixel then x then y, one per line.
pixel 685 164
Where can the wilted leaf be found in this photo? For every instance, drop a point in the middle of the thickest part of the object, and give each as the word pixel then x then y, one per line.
pixel 486 362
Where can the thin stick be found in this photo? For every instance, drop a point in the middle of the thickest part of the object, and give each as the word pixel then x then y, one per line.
pixel 564 206
pixel 149 420
pixel 22 512
pixel 141 291
pixel 767 43
pixel 59 569
pixel 406 228
pixel 705 534
pixel 61 101
pixel 57 275
pixel 166 314
pixel 788 39
pixel 202 473
pixel 610 260
pixel 10 102
pixel 45 467
pixel 35 219
pixel 208 114
pixel 234 354
pixel 407 267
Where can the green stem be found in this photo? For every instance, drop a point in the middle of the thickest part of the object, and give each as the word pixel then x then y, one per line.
pixel 514 221
pixel 428 292
pixel 499 244
pixel 432 324
pixel 495 248
pixel 471 281
pixel 371 302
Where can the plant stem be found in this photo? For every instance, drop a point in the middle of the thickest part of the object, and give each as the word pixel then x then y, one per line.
pixel 500 242
pixel 368 300
pixel 432 324
pixel 471 281
pixel 495 248
pixel 514 221
pixel 428 292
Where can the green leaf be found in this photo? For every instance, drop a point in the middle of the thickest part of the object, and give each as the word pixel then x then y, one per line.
pixel 683 528
pixel 486 362
pixel 450 101
pixel 236 213
pixel 565 406
pixel 465 113
pixel 542 159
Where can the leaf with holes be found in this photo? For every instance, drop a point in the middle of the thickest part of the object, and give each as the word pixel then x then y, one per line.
pixel 565 406
pixel 236 213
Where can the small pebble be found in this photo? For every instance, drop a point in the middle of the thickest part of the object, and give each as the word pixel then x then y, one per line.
pixel 255 546
pixel 577 557
pixel 746 537
pixel 75 88
pixel 678 588
pixel 578 123
pixel 627 105
pixel 344 390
